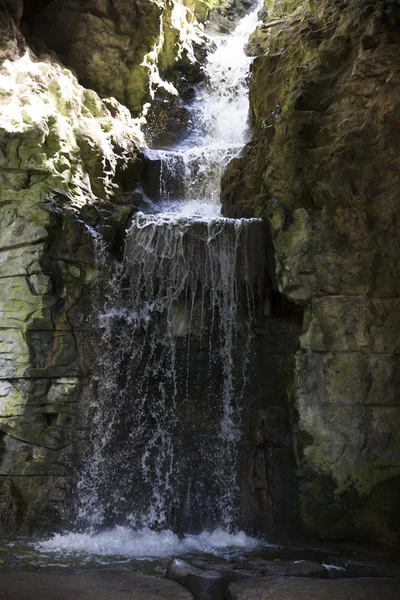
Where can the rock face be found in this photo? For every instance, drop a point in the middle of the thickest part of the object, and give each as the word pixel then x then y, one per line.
pixel 320 453
pixel 222 15
pixel 322 168
pixel 119 48
pixel 68 163
pixel 61 148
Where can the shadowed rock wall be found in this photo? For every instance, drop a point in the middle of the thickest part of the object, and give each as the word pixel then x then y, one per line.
pixel 323 169
pixel 118 48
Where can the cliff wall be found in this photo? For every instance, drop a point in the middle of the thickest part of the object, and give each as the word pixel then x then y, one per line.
pixel 69 167
pixel 322 168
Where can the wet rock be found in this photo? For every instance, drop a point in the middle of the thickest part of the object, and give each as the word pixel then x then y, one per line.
pixel 358 568
pixel 301 589
pixel 204 585
pixel 8 508
pixel 260 567
pixel 167 122
pixel 223 14
pixel 323 92
pixel 162 176
pixel 289 568
pixel 61 148
pixel 101 585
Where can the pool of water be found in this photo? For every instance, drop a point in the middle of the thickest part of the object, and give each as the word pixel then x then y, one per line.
pixel 121 550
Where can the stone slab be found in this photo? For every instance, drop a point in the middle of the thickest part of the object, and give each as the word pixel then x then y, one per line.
pixel 283 588
pixel 19 306
pixel 348 408
pixel 22 221
pixel 349 377
pixel 205 584
pixel 21 261
pixel 364 568
pixel 259 567
pixel 14 354
pixel 289 568
pixel 20 397
pixel 92 585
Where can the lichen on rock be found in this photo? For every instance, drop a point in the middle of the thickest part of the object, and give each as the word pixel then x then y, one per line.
pixel 61 134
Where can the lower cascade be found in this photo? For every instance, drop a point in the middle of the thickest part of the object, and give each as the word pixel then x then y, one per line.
pixel 177 329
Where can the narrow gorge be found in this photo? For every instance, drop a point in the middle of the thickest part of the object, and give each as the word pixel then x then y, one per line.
pixel 199 339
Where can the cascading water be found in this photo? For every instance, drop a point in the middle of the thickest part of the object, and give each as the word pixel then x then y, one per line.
pixel 177 335
pixel 219 117
pixel 166 426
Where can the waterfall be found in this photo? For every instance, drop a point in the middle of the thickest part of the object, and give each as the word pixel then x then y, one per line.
pixel 177 333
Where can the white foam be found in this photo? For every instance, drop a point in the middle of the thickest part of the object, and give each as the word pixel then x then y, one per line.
pixel 123 541
pixel 333 567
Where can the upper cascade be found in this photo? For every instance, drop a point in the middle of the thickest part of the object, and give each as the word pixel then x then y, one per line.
pixel 190 172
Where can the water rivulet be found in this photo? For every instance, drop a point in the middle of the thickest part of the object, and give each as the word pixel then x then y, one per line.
pixel 177 333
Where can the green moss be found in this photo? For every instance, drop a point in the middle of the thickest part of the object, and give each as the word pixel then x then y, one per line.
pixel 10 401
pixel 203 7
pixel 137 90
pixel 366 477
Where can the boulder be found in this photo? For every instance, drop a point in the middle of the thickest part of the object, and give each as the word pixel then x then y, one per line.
pixel 94 585
pixel 289 568
pixel 204 585
pixel 365 568
pixel 258 567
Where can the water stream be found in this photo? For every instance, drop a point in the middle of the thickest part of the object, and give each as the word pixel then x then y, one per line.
pixel 219 128
pixel 176 333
